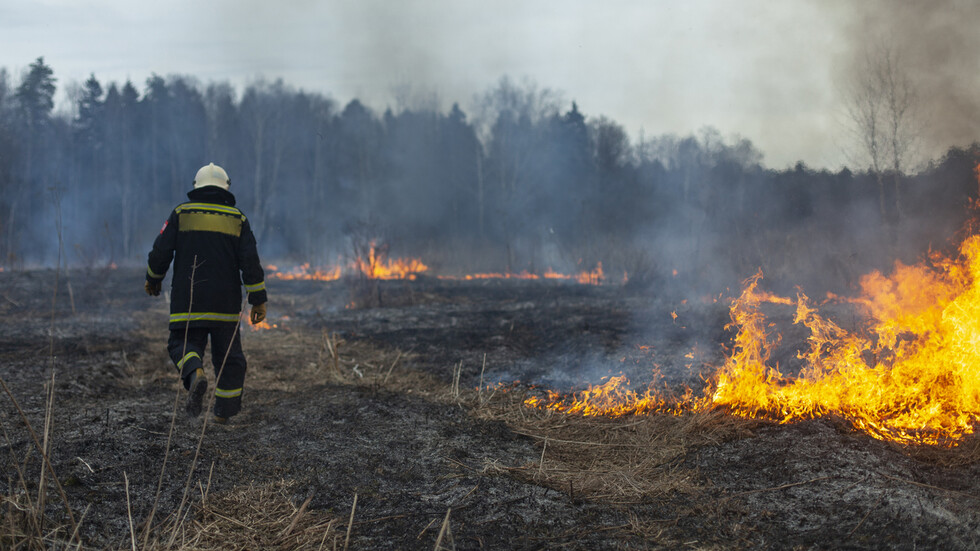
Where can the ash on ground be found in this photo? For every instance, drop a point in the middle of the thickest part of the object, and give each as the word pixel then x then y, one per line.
pixel 343 402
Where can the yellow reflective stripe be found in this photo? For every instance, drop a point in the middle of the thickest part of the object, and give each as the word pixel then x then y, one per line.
pixel 222 393
pixel 203 316
pixel 255 288
pixel 205 221
pixel 153 274
pixel 186 357
pixel 210 207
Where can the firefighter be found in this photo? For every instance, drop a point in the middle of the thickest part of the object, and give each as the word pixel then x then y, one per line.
pixel 214 253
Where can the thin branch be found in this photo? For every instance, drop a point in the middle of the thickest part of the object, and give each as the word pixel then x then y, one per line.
pixel 865 517
pixel 929 486
pixel 783 487
pixel 129 513
pixel 350 523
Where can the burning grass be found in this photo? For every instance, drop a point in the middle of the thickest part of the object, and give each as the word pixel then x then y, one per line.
pixel 373 264
pixel 909 375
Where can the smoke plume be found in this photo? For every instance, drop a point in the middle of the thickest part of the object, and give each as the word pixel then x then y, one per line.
pixel 936 44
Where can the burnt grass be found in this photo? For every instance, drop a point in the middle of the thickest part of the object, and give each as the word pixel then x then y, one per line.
pixel 359 401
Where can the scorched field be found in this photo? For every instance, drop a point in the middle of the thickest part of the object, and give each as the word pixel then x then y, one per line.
pixel 425 422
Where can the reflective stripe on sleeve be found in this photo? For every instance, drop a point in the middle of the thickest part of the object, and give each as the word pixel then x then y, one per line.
pixel 222 393
pixel 154 275
pixel 189 355
pixel 260 286
pixel 203 316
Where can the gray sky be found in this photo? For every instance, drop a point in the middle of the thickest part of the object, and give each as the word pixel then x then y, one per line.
pixel 767 70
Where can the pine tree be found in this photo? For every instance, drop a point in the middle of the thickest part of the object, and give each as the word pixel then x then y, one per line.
pixel 35 100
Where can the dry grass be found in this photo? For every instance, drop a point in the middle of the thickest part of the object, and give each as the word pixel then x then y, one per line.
pixel 254 517
pixel 299 359
pixel 24 519
pixel 22 526
pixel 611 460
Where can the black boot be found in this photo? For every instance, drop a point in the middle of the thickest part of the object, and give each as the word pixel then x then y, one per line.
pixel 197 389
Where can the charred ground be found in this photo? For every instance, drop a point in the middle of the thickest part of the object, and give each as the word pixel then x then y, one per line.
pixel 360 401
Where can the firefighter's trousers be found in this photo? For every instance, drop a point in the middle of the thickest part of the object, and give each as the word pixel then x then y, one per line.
pixel 225 341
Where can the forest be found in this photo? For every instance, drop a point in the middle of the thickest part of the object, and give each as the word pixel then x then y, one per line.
pixel 524 181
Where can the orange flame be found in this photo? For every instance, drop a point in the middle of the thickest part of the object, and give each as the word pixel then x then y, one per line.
pixel 376 266
pixel 591 277
pixel 263 326
pixel 303 271
pixel 614 398
pixel 911 374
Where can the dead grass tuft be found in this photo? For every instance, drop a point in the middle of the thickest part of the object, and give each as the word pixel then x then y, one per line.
pixel 254 517
pixel 619 460
pixel 23 526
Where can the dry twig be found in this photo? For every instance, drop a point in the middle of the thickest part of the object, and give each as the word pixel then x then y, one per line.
pixel 865 517
pixel 445 533
pixel 350 522
pixel 782 487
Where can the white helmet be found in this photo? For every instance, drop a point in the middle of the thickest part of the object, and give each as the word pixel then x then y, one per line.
pixel 212 175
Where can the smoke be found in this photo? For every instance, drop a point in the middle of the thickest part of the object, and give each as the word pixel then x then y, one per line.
pixel 936 44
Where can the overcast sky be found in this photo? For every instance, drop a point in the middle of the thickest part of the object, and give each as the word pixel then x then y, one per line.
pixel 769 70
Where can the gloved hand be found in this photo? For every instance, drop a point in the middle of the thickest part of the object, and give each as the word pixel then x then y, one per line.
pixel 258 313
pixel 152 288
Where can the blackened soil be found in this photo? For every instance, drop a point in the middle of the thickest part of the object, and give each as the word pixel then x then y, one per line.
pixel 379 420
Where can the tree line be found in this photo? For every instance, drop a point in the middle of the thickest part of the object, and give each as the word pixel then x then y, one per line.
pixel 524 181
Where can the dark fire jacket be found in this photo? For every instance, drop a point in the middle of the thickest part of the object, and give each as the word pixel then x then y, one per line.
pixel 210 233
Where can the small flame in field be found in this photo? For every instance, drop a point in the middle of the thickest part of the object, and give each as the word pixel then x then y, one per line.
pixel 613 398
pixel 910 374
pixel 373 266
pixel 590 277
pixel 303 271
pixel 593 277
pixel 376 266
pixel 263 325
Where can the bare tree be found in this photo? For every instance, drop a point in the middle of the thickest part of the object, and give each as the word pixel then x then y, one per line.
pixel 882 110
pixel 901 112
pixel 508 125
pixel 264 115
